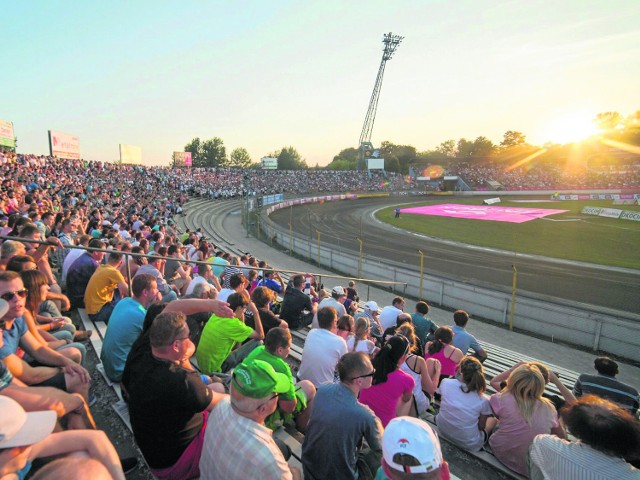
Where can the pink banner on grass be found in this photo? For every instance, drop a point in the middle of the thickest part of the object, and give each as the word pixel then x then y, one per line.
pixel 482 212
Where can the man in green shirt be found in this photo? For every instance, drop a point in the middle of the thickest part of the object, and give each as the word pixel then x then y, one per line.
pixel 298 401
pixel 221 334
pixel 424 326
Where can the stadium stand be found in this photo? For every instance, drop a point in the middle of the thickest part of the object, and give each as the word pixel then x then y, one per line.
pixel 149 207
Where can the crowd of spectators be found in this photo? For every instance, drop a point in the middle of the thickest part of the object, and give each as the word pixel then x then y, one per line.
pixel 546 176
pixel 364 375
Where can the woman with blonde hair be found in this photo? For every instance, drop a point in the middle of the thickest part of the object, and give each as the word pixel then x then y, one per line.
pixel 360 341
pixel 425 373
pixel 464 409
pixel 523 413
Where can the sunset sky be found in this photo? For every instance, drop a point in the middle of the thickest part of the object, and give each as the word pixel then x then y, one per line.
pixel 268 74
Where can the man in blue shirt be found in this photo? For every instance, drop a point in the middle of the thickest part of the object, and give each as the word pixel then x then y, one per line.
pixel 125 324
pixel 463 339
pixel 270 282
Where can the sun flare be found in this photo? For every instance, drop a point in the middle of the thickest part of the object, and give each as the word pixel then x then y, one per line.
pixel 571 128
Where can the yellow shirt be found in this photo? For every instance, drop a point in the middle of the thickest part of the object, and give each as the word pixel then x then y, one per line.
pixel 100 288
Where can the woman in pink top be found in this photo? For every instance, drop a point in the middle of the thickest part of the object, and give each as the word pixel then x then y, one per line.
pixel 523 413
pixel 392 389
pixel 442 350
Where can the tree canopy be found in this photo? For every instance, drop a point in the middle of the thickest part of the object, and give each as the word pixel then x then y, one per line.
pixel 208 153
pixel 289 159
pixel 240 158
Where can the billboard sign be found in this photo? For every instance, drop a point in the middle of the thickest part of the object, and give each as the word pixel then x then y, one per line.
pixel 375 163
pixel 130 154
pixel 64 145
pixel 269 163
pixel 182 159
pixel 7 138
pixel 187 159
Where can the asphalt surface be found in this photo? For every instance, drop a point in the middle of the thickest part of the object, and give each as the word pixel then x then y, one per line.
pixel 341 222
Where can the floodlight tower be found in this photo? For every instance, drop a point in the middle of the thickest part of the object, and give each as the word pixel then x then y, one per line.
pixel 391 43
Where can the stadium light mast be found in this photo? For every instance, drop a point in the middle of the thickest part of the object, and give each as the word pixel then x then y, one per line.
pixel 391 43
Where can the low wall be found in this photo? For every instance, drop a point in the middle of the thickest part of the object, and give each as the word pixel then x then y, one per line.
pixel 617 333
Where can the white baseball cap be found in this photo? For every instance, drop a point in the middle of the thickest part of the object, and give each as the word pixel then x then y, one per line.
pixel 19 428
pixel 339 291
pixel 371 305
pixel 411 436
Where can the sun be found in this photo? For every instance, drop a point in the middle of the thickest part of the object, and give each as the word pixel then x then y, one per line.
pixel 570 129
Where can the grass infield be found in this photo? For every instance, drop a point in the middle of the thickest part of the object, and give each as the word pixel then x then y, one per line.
pixel 585 238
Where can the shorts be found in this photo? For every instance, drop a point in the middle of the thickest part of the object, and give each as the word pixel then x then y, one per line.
pixel 57 381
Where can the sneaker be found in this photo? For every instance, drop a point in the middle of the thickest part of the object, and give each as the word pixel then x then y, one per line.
pixel 129 464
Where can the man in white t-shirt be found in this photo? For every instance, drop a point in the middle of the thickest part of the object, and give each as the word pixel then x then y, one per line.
pixel 205 275
pixel 336 300
pixel 390 313
pixel 322 350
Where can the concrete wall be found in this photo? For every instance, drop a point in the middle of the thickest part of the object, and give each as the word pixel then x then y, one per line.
pixel 554 318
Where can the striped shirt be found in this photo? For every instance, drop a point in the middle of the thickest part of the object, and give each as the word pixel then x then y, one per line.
pixel 552 458
pixel 236 447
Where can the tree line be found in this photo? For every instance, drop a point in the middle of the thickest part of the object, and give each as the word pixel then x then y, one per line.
pixel 398 158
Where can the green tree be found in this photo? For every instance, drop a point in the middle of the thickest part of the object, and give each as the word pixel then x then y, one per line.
pixel 465 148
pixel 447 148
pixel 483 147
pixel 347 159
pixel 215 153
pixel 512 138
pixel 240 158
pixel 608 120
pixel 289 159
pixel 197 155
pixel 402 154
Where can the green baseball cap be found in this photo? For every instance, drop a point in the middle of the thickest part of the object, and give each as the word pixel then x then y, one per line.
pixel 258 379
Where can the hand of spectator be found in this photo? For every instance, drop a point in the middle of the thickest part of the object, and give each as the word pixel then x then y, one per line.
pixel 13 460
pixel 221 309
pixel 58 323
pixel 73 369
pixel 437 366
pixel 65 303
pixel 54 241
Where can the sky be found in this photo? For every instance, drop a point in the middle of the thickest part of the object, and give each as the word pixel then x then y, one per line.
pixel 267 74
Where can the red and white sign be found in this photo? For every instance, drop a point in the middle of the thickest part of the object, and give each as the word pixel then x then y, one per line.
pixel 64 145
pixel 610 212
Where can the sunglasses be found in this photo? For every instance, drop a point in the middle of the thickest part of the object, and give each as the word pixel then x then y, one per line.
pixel 367 375
pixel 8 296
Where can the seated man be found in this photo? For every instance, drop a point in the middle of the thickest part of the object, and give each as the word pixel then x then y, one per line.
pixel 295 302
pixel 237 445
pixel 424 326
pixel 155 263
pixel 125 325
pixel 174 272
pixel 80 273
pixel 605 385
pixel 335 301
pixel 298 401
pixel 273 281
pixel 322 350
pixel 339 423
pixel 56 370
pixel 463 339
pixel 237 284
pixel 105 289
pixel 608 437
pixel 370 311
pixel 221 334
pixel 205 276
pixel 389 314
pixel 411 449
pixel 168 401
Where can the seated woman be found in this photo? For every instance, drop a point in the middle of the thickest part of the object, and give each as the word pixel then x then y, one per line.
pixel 425 373
pixel 51 333
pixel 346 327
pixel 392 389
pixel 523 413
pixel 360 341
pixel 464 409
pixel 442 350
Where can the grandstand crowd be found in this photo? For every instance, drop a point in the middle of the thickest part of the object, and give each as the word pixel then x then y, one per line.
pixel 201 350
